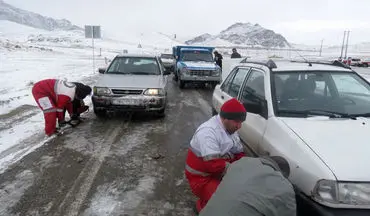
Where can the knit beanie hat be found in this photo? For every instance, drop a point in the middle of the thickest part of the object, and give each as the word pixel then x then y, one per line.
pixel 233 110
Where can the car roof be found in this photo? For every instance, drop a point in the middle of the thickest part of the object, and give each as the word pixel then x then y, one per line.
pixel 138 55
pixel 288 65
pixel 195 49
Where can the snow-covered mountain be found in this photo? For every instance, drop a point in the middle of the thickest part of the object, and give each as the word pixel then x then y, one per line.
pixel 13 14
pixel 243 34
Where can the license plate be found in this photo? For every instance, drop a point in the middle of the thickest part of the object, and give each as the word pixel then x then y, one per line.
pixel 125 102
pixel 200 78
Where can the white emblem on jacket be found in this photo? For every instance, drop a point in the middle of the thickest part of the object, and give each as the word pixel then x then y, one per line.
pixel 65 88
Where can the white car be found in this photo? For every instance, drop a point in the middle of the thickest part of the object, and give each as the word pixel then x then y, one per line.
pixel 314 116
pixel 132 83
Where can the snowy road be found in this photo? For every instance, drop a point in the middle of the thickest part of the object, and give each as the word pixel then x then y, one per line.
pixel 124 165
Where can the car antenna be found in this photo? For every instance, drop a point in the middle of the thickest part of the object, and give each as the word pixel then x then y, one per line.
pixel 309 63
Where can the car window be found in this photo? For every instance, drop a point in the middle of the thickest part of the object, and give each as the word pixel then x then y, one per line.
pixel 197 56
pixel 331 91
pixel 254 88
pixel 134 65
pixel 350 85
pixel 322 88
pixel 237 82
pixel 226 84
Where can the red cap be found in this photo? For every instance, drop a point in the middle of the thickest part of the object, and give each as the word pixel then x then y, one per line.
pixel 233 110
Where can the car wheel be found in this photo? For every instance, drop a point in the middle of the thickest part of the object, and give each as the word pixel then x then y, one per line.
pixel 100 112
pixel 175 77
pixel 161 113
pixel 214 112
pixel 366 65
pixel 181 84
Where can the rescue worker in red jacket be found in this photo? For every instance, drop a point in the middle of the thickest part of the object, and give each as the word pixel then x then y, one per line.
pixel 213 147
pixel 53 95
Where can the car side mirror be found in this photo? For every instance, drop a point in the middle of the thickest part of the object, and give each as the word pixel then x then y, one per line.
pixel 101 70
pixel 253 107
pixel 257 106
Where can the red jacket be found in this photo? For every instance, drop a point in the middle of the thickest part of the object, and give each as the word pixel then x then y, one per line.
pixel 60 94
pixel 211 150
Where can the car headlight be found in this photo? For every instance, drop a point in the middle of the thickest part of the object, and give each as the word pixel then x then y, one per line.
pixel 154 91
pixel 184 70
pixel 217 72
pixel 101 91
pixel 346 194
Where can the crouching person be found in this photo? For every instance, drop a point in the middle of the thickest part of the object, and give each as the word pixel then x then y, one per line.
pixel 213 147
pixel 253 187
pixel 53 96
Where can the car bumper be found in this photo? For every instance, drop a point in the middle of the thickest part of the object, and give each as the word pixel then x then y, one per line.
pixel 136 104
pixel 307 206
pixel 201 78
pixel 168 65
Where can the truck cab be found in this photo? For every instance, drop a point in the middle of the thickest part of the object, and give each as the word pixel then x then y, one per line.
pixel 195 64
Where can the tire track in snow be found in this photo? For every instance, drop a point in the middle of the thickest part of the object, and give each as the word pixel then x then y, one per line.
pixel 80 189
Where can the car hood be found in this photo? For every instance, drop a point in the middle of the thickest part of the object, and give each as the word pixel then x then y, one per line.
pixel 193 65
pixel 343 144
pixel 130 81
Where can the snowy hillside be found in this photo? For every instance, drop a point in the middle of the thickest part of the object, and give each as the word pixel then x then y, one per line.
pixel 244 34
pixel 10 13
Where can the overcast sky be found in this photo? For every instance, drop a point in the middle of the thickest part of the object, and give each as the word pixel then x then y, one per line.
pixel 300 21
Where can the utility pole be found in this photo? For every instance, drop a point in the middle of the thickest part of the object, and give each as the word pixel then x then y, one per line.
pixel 321 46
pixel 345 56
pixel 341 52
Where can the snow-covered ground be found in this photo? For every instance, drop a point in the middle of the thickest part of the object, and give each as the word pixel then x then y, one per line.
pixel 29 55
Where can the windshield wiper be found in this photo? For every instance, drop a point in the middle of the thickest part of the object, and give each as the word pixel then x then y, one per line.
pixel 318 112
pixel 114 72
pixel 141 73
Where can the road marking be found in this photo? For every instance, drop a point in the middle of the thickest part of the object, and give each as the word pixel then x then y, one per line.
pixel 86 178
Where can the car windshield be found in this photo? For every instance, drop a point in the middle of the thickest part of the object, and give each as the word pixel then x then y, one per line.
pixel 167 56
pixel 320 93
pixel 134 65
pixel 197 56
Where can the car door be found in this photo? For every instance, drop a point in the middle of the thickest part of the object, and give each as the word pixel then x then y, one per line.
pixel 230 88
pixel 164 78
pixel 254 126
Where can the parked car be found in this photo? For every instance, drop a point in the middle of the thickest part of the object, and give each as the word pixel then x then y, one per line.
pixel 366 62
pixel 168 61
pixel 131 83
pixel 316 117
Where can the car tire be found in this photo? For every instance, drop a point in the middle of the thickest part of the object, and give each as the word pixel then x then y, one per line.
pixel 175 77
pixel 366 65
pixel 100 112
pixel 181 84
pixel 214 112
pixel 161 113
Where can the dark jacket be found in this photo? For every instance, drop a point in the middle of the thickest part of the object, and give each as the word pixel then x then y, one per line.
pixel 218 59
pixel 235 55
